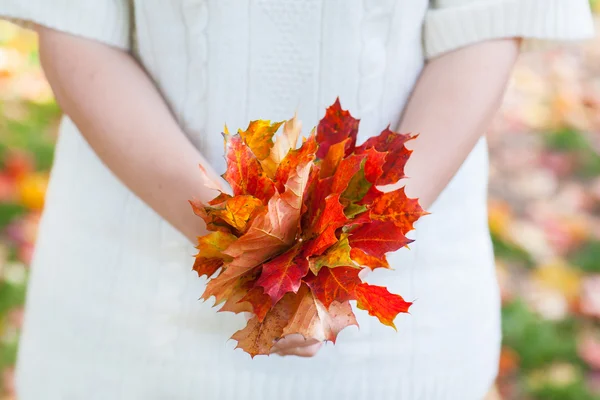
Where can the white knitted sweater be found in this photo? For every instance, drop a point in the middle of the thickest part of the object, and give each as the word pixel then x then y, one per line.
pixel 112 310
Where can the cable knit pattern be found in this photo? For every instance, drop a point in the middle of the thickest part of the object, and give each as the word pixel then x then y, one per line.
pixel 375 29
pixel 112 307
pixel 455 24
pixel 195 16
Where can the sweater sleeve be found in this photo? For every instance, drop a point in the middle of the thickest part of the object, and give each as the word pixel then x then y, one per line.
pixel 106 21
pixel 451 24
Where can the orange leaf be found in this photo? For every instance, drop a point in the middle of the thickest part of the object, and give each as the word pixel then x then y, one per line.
pixel 219 199
pixel 397 208
pixel 313 321
pixel 259 137
pixel 336 126
pixel 332 215
pixel 283 274
pixel 258 338
pixel 244 172
pixel 207 266
pixel 260 302
pixel 283 144
pixel 229 286
pixel 380 303
pixel 236 211
pixel 378 238
pixel 321 243
pixel 237 291
pixel 346 170
pixel 366 260
pixel 334 155
pixel 210 252
pixel 293 159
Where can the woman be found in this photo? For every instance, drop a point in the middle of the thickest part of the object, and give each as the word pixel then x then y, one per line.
pixel 146 86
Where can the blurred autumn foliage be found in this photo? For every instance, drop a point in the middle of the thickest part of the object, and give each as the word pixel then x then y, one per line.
pixel 544 211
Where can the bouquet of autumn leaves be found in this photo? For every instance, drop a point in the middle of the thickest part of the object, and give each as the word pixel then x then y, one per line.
pixel 301 224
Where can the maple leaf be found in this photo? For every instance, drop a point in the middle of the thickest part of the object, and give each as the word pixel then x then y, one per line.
pixel 236 292
pixel 357 187
pixel 313 321
pixel 320 243
pixel 210 252
pixel 259 337
pixel 235 211
pixel 259 302
pixel 337 255
pixel 293 159
pixel 321 232
pixel 259 137
pixel 378 238
pixel 334 284
pixel 392 143
pixel 219 199
pixel 380 303
pixel 283 144
pixel 346 170
pixel 334 156
pixel 273 231
pixel 395 207
pixel 283 274
pixel 212 223
pixel 244 172
pixel 366 260
pixel 374 164
pixel 229 288
pixel 337 125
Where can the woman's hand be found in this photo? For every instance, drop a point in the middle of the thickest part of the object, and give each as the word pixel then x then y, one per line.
pixel 296 345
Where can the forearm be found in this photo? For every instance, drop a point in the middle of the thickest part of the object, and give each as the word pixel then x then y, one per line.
pixel 125 120
pixel 451 107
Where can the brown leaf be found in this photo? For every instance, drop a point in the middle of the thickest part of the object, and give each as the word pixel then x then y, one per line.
pixel 258 338
pixel 313 321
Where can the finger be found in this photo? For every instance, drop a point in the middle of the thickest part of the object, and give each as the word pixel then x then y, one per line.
pixel 305 351
pixel 294 340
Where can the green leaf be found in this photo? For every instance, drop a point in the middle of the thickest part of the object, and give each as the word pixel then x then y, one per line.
pixel 353 209
pixel 358 185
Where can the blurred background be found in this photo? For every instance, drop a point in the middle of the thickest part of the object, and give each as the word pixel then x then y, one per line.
pixel 544 211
